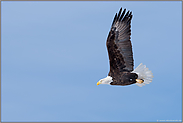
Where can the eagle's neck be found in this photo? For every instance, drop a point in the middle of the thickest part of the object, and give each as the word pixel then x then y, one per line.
pixel 107 80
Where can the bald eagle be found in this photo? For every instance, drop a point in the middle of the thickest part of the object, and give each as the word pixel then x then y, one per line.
pixel 121 56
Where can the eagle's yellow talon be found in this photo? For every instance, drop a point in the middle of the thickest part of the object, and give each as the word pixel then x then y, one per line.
pixel 140 81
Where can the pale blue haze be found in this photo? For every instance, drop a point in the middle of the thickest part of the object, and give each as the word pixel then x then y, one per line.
pixel 53 54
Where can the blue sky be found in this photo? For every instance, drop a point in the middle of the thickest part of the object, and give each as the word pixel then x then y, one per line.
pixel 53 54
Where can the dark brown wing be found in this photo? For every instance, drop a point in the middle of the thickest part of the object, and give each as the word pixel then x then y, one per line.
pixel 119 44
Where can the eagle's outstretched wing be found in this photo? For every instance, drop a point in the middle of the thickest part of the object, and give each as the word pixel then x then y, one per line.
pixel 119 44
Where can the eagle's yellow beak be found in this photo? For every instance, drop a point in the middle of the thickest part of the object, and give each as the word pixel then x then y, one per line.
pixel 140 81
pixel 98 83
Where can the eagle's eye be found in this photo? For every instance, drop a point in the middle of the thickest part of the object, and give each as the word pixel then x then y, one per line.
pixel 130 79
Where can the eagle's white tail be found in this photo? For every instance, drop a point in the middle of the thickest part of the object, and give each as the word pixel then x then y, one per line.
pixel 143 73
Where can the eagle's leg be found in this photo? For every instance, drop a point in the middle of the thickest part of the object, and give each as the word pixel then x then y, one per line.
pixel 140 81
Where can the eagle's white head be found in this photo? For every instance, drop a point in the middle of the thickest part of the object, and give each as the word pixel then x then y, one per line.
pixel 106 80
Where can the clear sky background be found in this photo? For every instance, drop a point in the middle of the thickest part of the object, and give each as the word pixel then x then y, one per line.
pixel 53 54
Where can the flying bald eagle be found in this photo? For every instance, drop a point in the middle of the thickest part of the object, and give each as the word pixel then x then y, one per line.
pixel 121 56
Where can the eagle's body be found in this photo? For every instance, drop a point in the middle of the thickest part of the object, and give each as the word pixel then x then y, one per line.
pixel 121 55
